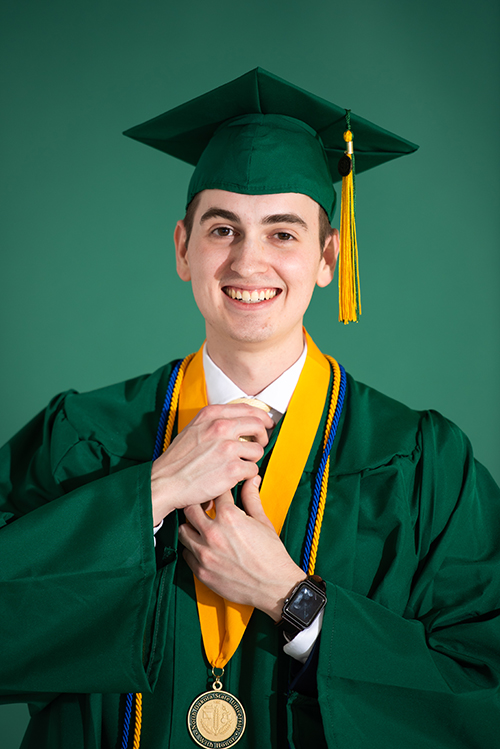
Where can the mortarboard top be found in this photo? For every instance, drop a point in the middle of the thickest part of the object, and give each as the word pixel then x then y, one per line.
pixel 270 136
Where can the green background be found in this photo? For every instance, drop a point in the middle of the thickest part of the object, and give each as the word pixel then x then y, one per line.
pixel 88 288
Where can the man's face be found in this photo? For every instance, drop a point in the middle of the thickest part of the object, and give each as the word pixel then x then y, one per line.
pixel 253 261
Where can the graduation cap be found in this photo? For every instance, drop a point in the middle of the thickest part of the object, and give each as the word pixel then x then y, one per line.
pixel 259 135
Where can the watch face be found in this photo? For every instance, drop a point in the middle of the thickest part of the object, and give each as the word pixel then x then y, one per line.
pixel 305 604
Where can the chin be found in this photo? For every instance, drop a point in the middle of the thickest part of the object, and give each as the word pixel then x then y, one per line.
pixel 252 336
pixel 251 333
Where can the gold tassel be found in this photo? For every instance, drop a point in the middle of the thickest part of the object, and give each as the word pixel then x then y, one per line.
pixel 349 293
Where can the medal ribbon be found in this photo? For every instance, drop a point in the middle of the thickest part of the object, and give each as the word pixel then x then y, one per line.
pixel 223 622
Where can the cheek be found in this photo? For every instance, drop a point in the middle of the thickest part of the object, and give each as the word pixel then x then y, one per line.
pixel 204 281
pixel 208 266
pixel 304 273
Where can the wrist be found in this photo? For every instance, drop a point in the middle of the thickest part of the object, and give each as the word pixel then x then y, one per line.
pixel 281 592
pixel 160 493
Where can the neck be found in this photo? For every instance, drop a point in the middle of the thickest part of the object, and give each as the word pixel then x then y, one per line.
pixel 254 366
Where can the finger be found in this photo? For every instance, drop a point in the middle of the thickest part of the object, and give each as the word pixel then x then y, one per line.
pixel 191 561
pixel 251 502
pixel 197 518
pixel 249 426
pixel 233 420
pixel 246 449
pixel 239 471
pixel 259 410
pixel 188 536
pixel 225 500
pixel 234 411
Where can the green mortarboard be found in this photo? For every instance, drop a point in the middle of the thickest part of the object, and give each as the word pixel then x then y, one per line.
pixel 260 134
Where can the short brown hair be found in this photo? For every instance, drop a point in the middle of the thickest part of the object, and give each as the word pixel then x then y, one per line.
pixel 324 224
pixel 189 217
pixel 325 229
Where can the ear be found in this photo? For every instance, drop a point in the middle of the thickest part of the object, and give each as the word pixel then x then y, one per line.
pixel 328 259
pixel 181 259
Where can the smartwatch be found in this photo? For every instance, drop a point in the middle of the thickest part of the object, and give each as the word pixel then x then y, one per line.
pixel 304 603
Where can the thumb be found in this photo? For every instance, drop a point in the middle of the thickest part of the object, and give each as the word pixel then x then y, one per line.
pixel 250 499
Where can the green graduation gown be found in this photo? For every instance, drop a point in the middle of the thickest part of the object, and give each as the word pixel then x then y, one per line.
pixel 409 654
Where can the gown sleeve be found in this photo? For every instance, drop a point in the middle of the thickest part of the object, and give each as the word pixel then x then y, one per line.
pixel 79 582
pixel 427 675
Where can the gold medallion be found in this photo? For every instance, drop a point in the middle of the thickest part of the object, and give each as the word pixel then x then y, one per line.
pixel 216 719
pixel 251 402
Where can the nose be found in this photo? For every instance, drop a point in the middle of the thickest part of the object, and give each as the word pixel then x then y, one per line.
pixel 249 257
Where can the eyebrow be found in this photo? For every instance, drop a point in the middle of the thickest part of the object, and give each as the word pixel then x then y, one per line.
pixel 275 218
pixel 220 213
pixel 285 218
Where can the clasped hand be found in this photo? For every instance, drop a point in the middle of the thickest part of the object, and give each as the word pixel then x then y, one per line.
pixel 238 553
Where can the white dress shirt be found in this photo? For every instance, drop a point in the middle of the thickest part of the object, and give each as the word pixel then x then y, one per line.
pixel 277 395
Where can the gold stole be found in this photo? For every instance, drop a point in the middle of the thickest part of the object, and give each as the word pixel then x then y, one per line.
pixel 222 622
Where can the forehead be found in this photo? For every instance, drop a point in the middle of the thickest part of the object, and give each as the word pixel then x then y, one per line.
pixel 255 208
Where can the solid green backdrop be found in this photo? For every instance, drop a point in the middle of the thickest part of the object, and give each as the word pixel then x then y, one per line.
pixel 89 293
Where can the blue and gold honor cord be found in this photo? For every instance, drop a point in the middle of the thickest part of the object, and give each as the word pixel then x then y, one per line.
pixel 133 703
pixel 317 508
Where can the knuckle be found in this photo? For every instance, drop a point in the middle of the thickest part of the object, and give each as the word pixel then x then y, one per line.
pixel 225 514
pixel 257 449
pixel 206 413
pixel 218 428
pixel 235 470
pixel 255 469
pixel 211 412
pixel 227 449
pixel 201 574
pixel 207 559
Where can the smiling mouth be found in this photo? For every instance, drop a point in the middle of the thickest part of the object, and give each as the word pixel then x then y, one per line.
pixel 250 297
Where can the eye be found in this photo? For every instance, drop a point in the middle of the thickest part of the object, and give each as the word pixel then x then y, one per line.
pixel 284 236
pixel 223 231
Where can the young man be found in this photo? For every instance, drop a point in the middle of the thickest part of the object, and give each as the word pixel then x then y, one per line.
pixel 344 548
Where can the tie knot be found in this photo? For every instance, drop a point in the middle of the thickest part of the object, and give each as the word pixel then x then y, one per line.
pixel 253 402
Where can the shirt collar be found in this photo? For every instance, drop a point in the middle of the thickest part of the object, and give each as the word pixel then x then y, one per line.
pixel 277 395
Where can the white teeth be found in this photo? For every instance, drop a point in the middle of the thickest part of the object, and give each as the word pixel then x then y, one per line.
pixel 250 297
